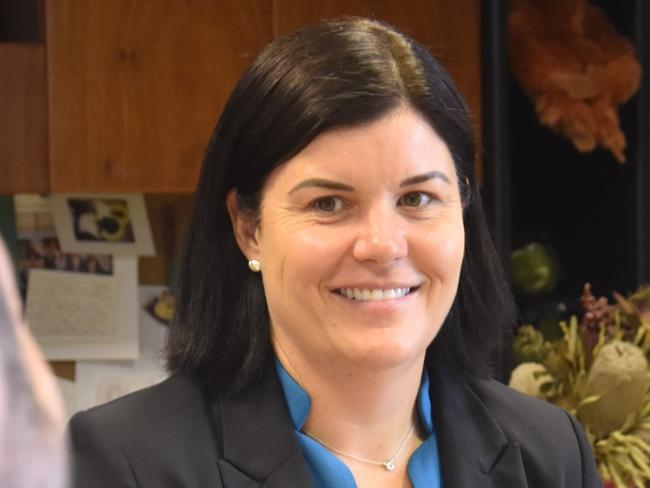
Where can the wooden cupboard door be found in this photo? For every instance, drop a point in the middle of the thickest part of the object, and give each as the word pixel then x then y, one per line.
pixel 450 29
pixel 136 86
pixel 23 119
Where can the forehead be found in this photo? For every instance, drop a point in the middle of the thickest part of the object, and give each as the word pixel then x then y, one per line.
pixel 398 145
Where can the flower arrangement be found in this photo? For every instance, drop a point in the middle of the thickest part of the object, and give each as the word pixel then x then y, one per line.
pixel 598 371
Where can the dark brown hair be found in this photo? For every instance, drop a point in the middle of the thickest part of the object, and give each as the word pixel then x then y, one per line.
pixel 333 74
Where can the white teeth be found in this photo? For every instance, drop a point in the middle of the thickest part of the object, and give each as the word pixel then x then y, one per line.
pixel 367 294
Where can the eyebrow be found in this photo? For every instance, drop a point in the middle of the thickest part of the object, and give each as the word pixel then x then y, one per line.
pixel 425 177
pixel 336 185
pixel 321 183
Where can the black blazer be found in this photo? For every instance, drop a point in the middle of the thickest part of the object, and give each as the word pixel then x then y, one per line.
pixel 171 435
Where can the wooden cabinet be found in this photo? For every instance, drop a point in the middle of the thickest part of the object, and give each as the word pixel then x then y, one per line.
pixel 23 118
pixel 134 87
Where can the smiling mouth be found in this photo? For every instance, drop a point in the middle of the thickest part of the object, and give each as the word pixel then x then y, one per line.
pixel 373 295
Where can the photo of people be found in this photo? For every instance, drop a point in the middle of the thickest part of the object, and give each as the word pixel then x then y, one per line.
pixel 101 219
pixel 39 248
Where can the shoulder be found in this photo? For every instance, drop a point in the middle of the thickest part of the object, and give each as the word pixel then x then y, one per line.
pixel 176 393
pixel 177 403
pixel 522 418
pixel 515 409
pixel 546 434
pixel 168 426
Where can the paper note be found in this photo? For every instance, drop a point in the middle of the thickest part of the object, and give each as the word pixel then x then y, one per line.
pixel 71 306
pixel 102 381
pixel 76 316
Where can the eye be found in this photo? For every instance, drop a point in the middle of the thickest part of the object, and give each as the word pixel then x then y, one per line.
pixel 415 199
pixel 328 204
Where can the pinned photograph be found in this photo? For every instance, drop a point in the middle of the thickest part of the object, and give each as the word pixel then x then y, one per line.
pixel 39 248
pixel 79 305
pixel 101 219
pixel 103 223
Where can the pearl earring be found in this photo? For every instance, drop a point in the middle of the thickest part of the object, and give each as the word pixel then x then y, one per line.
pixel 254 265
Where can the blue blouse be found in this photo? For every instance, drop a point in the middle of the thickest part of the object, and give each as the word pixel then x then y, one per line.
pixel 329 472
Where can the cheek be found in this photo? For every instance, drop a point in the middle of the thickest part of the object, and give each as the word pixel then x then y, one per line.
pixel 443 251
pixel 306 257
pixel 454 248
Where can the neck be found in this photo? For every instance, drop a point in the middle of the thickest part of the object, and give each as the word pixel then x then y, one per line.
pixel 363 411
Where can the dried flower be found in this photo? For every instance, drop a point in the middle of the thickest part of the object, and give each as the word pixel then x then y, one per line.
pixel 598 371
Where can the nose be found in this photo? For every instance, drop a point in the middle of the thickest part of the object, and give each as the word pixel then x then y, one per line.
pixel 381 236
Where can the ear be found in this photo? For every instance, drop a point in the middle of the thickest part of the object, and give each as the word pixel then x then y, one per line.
pixel 245 227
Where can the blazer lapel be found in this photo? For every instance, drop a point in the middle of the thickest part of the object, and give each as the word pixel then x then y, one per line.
pixel 259 446
pixel 473 449
pixel 260 449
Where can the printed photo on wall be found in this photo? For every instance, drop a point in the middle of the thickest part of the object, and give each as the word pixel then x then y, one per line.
pixel 39 248
pixel 78 304
pixel 102 223
pixel 100 219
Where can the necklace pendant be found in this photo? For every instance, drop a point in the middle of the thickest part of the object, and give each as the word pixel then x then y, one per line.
pixel 389 465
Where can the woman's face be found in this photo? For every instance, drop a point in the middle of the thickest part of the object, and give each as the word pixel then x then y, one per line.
pixel 361 242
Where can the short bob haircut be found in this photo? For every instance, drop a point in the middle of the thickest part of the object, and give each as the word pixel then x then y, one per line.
pixel 335 74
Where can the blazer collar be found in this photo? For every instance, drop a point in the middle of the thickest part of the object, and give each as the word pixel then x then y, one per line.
pixel 258 442
pixel 474 451
pixel 259 446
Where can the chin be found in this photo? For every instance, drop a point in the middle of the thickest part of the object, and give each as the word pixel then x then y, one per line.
pixel 385 354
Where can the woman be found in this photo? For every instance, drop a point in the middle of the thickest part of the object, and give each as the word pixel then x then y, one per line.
pixel 340 298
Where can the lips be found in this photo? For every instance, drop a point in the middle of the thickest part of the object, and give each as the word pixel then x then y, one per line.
pixel 374 294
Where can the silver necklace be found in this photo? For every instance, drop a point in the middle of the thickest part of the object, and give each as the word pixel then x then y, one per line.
pixel 389 464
